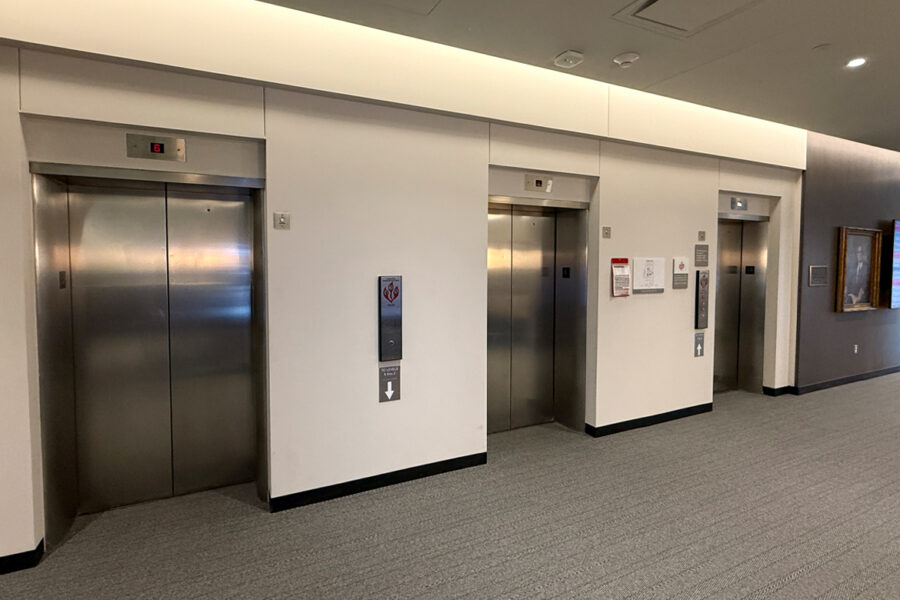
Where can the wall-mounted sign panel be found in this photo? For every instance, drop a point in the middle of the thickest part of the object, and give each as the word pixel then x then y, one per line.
pixel 701 300
pixel 680 273
pixel 649 275
pixel 389 383
pixel 390 318
pixel 621 277
pixel 818 275
pixel 701 255
pixel 698 344
pixel 895 268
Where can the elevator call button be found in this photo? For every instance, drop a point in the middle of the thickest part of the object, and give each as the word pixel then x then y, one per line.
pixel 390 318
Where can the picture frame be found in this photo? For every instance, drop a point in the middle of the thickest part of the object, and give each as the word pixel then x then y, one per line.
pixel 859 269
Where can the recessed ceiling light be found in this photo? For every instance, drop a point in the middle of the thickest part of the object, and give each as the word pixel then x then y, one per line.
pixel 569 59
pixel 856 62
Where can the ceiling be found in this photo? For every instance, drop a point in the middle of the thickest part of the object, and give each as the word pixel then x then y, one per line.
pixel 782 60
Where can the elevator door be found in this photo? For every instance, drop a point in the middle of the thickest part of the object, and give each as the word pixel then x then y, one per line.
pixel 121 344
pixel 521 244
pixel 740 305
pixel 161 326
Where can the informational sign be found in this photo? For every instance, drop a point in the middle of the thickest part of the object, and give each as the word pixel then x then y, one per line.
pixel 698 344
pixel 895 268
pixel 818 275
pixel 649 275
pixel 389 383
pixel 701 300
pixel 390 318
pixel 621 277
pixel 701 255
pixel 680 273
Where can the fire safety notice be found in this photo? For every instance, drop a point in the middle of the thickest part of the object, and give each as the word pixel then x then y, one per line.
pixel 621 277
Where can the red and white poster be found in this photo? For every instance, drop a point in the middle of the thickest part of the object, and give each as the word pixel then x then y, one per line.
pixel 621 277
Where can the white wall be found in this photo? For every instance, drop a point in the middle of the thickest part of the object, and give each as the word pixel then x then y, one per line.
pixel 78 88
pixel 21 495
pixel 373 191
pixel 655 201
pixel 637 116
pixel 301 50
pixel 785 186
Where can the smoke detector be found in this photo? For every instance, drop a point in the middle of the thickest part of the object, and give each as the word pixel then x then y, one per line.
pixel 626 59
pixel 569 59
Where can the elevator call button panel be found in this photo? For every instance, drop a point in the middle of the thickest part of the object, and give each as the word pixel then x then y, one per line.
pixel 390 318
pixel 155 147
pixel 701 306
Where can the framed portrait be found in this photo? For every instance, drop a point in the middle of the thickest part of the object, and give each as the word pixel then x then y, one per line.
pixel 859 266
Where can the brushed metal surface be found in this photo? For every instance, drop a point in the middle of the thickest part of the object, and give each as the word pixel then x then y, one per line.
pixel 121 344
pixel 754 252
pixel 571 318
pixel 532 312
pixel 210 277
pixel 54 320
pixel 728 307
pixel 499 273
pixel 141 175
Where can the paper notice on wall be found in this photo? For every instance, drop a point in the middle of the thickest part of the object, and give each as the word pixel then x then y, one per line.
pixel 621 277
pixel 649 275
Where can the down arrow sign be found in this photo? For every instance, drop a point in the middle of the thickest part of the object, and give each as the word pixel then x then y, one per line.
pixel 390 391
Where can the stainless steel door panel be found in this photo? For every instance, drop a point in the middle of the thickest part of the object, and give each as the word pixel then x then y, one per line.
pixel 531 365
pixel 499 261
pixel 728 307
pixel 571 312
pixel 754 253
pixel 54 317
pixel 210 274
pixel 121 342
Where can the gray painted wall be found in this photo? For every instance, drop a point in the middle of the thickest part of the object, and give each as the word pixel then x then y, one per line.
pixel 851 184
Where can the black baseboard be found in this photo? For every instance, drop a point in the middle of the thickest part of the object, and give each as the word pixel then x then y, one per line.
pixel 805 389
pixel 646 421
pixel 370 483
pixel 787 389
pixel 22 560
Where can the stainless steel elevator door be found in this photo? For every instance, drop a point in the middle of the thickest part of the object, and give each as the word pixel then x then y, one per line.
pixel 740 305
pixel 498 318
pixel 531 363
pixel 754 258
pixel 121 344
pixel 521 247
pixel 213 413
pixel 728 307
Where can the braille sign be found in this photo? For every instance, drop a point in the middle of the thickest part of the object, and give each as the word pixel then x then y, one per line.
pixel 388 383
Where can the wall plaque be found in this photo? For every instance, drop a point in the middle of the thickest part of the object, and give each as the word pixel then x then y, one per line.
pixel 680 273
pixel 388 383
pixel 701 255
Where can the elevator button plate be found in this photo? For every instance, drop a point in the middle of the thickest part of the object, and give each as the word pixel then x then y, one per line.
pixel 282 220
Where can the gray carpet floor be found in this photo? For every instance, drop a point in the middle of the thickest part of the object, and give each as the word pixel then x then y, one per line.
pixel 789 497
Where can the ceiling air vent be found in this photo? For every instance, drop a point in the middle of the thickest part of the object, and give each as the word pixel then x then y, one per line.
pixel 681 18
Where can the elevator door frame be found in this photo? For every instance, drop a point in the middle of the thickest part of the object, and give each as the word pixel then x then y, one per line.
pixel 53 278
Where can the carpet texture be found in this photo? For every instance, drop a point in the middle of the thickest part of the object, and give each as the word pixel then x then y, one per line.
pixel 788 497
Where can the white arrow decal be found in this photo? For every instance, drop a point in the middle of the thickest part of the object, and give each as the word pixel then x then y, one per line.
pixel 390 391
pixel 699 347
